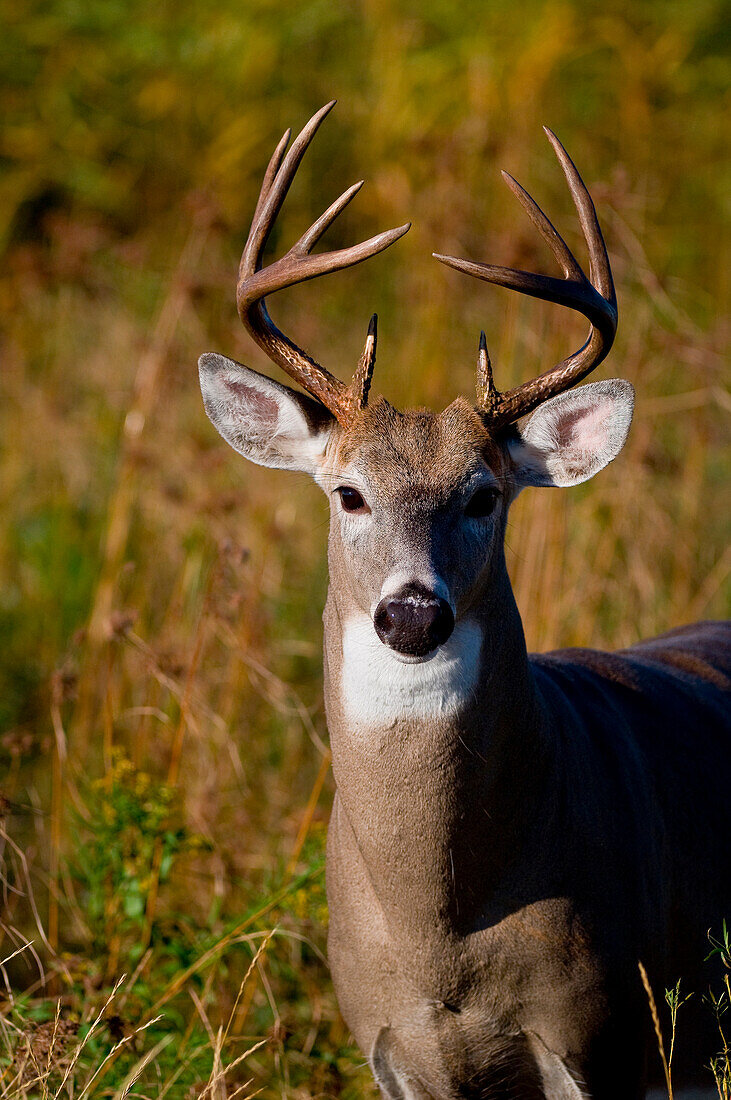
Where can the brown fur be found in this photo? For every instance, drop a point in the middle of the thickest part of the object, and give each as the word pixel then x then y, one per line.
pixel 498 875
pixel 434 449
pixel 510 834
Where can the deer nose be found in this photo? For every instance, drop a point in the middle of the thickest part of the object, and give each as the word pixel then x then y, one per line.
pixel 413 621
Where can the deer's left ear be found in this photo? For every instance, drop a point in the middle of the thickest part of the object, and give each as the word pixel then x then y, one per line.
pixel 573 435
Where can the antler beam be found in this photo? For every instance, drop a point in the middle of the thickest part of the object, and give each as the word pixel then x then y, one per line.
pixel 298 265
pixel 595 298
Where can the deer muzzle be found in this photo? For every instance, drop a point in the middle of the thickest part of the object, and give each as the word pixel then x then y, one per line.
pixel 413 621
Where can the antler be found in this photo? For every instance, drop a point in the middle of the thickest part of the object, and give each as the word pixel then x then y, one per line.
pixel 594 298
pixel 296 266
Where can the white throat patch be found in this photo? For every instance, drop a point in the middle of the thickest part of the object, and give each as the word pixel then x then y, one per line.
pixel 378 688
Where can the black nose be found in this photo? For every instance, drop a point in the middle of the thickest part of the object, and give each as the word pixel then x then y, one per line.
pixel 413 621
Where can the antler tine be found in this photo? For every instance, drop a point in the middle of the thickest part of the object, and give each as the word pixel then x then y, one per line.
pixel 487 395
pixel 599 269
pixel 595 299
pixel 366 364
pixel 278 178
pixel 547 230
pixel 270 174
pixel 299 265
pixel 563 292
pixel 309 239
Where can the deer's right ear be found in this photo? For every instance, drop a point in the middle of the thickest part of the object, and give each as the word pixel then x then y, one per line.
pixel 264 421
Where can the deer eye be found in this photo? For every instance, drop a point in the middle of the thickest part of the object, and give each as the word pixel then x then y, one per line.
pixel 482 503
pixel 351 499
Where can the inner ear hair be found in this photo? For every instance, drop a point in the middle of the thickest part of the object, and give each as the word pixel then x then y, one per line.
pixel 572 436
pixel 266 422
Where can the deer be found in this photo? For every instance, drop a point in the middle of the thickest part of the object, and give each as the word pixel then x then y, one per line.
pixel 510 834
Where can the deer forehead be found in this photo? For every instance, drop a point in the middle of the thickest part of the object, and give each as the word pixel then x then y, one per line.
pixel 418 450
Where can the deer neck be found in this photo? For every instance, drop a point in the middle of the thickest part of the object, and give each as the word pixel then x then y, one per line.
pixel 435 763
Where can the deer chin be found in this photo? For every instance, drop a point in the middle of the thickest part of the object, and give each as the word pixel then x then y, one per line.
pixel 380 686
pixel 410 659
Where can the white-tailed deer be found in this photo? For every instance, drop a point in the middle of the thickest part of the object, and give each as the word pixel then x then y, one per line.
pixel 510 834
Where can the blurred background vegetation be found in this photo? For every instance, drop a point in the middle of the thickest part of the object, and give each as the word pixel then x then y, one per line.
pixel 164 784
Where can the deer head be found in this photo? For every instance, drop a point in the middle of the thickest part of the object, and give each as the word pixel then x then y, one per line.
pixel 419 500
